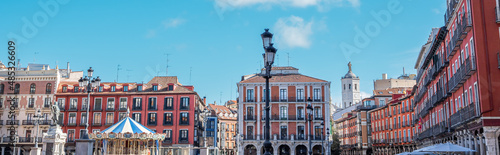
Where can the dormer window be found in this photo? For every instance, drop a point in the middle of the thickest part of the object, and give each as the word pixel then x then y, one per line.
pixel 170 87
pixel 75 89
pixel 155 87
pixel 100 88
pixel 125 88
pixel 139 88
pixel 113 88
pixel 64 89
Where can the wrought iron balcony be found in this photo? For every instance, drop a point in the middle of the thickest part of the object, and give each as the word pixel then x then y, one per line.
pixel 464 115
pixel 12 122
pixel 449 11
pixel 250 117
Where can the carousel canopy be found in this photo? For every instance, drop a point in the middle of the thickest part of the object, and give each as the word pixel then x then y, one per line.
pixel 127 125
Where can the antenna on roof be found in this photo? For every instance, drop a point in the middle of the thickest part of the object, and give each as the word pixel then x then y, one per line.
pixel 190 70
pixel 166 72
pixel 117 72
pixel 288 57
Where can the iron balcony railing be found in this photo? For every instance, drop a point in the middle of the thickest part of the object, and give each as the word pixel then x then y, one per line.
pixel 466 69
pixel 449 11
pixel 250 117
pixel 12 122
pixel 464 115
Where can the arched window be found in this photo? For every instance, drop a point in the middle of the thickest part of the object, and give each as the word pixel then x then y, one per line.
pixel 32 88
pixel 16 88
pixel 48 88
pixel 1 88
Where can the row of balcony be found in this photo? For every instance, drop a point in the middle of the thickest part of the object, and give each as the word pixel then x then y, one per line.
pixel 449 12
pixel 281 118
pixel 350 146
pixel 420 94
pixel 20 140
pixel 460 32
pixel 392 141
pixel 40 122
pixel 350 134
pixel 433 131
pixel 284 99
pixel 463 73
pixel 464 115
pixel 425 110
pixel 285 137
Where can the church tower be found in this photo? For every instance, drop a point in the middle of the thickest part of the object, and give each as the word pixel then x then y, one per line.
pixel 350 89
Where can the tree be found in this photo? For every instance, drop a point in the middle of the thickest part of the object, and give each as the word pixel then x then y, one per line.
pixel 335 145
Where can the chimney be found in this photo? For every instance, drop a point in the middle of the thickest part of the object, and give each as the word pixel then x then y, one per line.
pixel 384 76
pixel 67 70
pixel 204 100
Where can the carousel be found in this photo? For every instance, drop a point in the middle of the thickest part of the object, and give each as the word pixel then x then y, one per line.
pixel 127 137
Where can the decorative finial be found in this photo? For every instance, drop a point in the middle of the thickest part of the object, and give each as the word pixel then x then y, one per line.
pixel 349 64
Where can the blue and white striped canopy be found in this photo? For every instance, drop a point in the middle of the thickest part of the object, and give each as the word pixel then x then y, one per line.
pixel 127 125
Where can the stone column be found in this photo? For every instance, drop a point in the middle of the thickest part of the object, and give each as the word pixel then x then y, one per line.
pixel 3 150
pixel 481 144
pixel 491 140
pixel 477 142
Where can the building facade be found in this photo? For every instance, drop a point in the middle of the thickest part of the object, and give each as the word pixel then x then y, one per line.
pixel 456 97
pixel 162 105
pixel 290 130
pixel 392 126
pixel 34 87
pixel 226 130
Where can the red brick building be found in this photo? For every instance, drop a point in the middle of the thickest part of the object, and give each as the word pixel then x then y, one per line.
pixel 227 126
pixel 290 129
pixel 392 126
pixel 163 105
pixel 456 99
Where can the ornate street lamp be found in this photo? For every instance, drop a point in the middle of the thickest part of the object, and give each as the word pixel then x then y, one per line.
pixel 310 115
pixel 270 51
pixel 37 117
pixel 89 86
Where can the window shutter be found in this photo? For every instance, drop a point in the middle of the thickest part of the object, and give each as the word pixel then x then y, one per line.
pixel 133 102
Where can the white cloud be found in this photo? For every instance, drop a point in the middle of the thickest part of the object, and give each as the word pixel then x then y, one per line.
pixel 355 3
pixel 365 94
pixel 174 22
pixel 169 23
pixel 225 4
pixel 293 32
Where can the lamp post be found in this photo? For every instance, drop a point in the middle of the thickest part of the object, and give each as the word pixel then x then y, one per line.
pixel 205 114
pixel 323 140
pixel 89 84
pixel 327 140
pixel 310 115
pixel 270 51
pixel 37 123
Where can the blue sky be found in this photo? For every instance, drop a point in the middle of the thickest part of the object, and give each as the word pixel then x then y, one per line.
pixel 211 43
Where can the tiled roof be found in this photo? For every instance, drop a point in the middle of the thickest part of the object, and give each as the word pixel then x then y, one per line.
pixel 218 109
pixel 283 78
pixel 162 82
